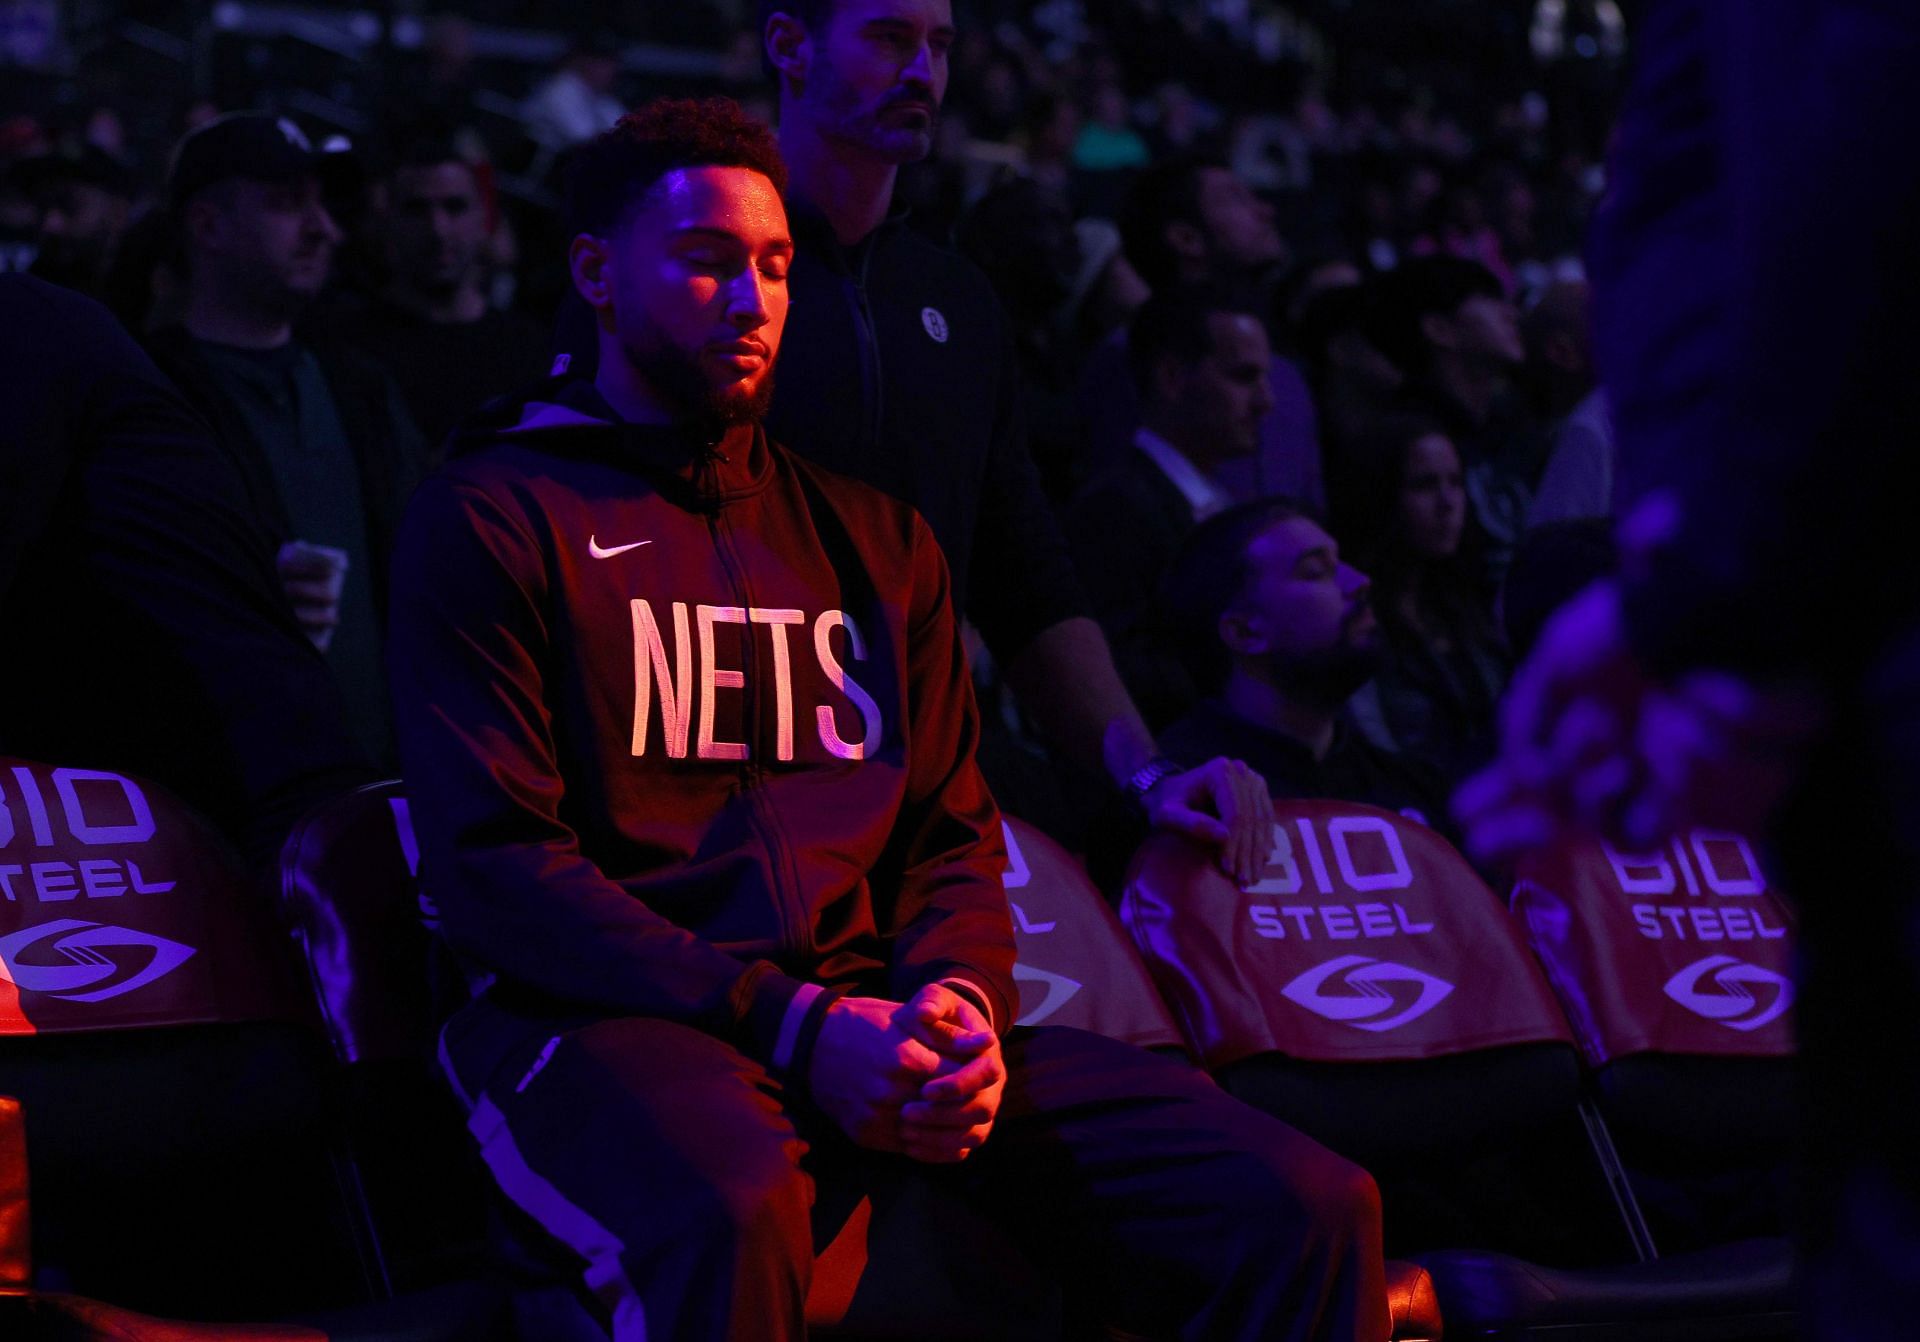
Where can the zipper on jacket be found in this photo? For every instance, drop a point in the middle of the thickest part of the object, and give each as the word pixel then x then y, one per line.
pixel 796 927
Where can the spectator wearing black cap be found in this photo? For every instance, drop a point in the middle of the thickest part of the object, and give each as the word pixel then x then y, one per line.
pixel 318 430
pixel 432 327
pixel 84 197
pixel 1450 328
pixel 1199 364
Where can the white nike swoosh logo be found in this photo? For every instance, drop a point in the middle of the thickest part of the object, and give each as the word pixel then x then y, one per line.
pixel 598 551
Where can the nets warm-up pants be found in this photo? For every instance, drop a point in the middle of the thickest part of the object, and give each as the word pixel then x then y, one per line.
pixel 692 1189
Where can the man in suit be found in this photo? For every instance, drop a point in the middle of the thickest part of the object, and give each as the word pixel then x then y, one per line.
pixel 1199 365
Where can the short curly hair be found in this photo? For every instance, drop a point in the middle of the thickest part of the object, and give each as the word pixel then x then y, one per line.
pixel 613 172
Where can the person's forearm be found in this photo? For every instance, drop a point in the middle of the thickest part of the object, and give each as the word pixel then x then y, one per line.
pixel 1066 679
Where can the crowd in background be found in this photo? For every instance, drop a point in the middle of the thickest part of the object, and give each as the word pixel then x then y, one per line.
pixel 1243 252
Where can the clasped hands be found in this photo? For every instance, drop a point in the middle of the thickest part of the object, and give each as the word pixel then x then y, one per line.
pixel 922 1078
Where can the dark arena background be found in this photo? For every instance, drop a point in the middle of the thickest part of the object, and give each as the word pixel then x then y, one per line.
pixel 949 669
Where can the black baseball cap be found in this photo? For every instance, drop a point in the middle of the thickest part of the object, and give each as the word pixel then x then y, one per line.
pixel 254 145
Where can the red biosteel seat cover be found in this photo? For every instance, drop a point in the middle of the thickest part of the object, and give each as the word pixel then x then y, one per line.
pixel 1683 951
pixel 1367 938
pixel 153 1031
pixel 1076 966
pixel 121 908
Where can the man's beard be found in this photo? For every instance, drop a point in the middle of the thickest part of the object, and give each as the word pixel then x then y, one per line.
pixel 1328 678
pixel 893 144
pixel 677 379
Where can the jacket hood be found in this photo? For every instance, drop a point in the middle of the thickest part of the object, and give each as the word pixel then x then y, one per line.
pixel 696 462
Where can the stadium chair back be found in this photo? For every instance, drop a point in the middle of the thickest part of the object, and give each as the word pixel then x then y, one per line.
pixel 348 880
pixel 1367 938
pixel 1372 990
pixel 1675 969
pixel 1076 966
pixel 1683 951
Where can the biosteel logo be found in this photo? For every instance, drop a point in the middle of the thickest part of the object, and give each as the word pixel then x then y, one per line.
pixel 1367 994
pixel 91 973
pixel 1732 992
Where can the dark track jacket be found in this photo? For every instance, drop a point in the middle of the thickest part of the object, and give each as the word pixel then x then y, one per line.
pixel 898 368
pixel 687 724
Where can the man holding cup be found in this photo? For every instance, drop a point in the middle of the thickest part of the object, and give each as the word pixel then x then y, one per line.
pixel 318 432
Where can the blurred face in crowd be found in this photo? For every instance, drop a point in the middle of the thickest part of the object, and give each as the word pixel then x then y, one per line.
pixel 1238 224
pixel 873 77
pixel 80 224
pixel 1213 407
pixel 1418 190
pixel 82 212
pixel 692 285
pixel 1433 497
pixel 1304 617
pixel 268 243
pixel 437 226
pixel 1491 327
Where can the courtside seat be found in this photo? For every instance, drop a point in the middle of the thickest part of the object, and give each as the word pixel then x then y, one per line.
pixel 1675 969
pixel 349 884
pixel 1077 968
pixel 1371 989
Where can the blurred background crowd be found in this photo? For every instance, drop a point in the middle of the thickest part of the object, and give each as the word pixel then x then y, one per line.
pixel 1328 250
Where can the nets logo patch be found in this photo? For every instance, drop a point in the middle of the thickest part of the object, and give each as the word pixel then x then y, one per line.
pixel 936 324
pixel 1367 994
pixel 1732 992
pixel 84 946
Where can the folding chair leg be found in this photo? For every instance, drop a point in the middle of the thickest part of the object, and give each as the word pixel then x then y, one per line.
pixel 1632 1219
pixel 366 1238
